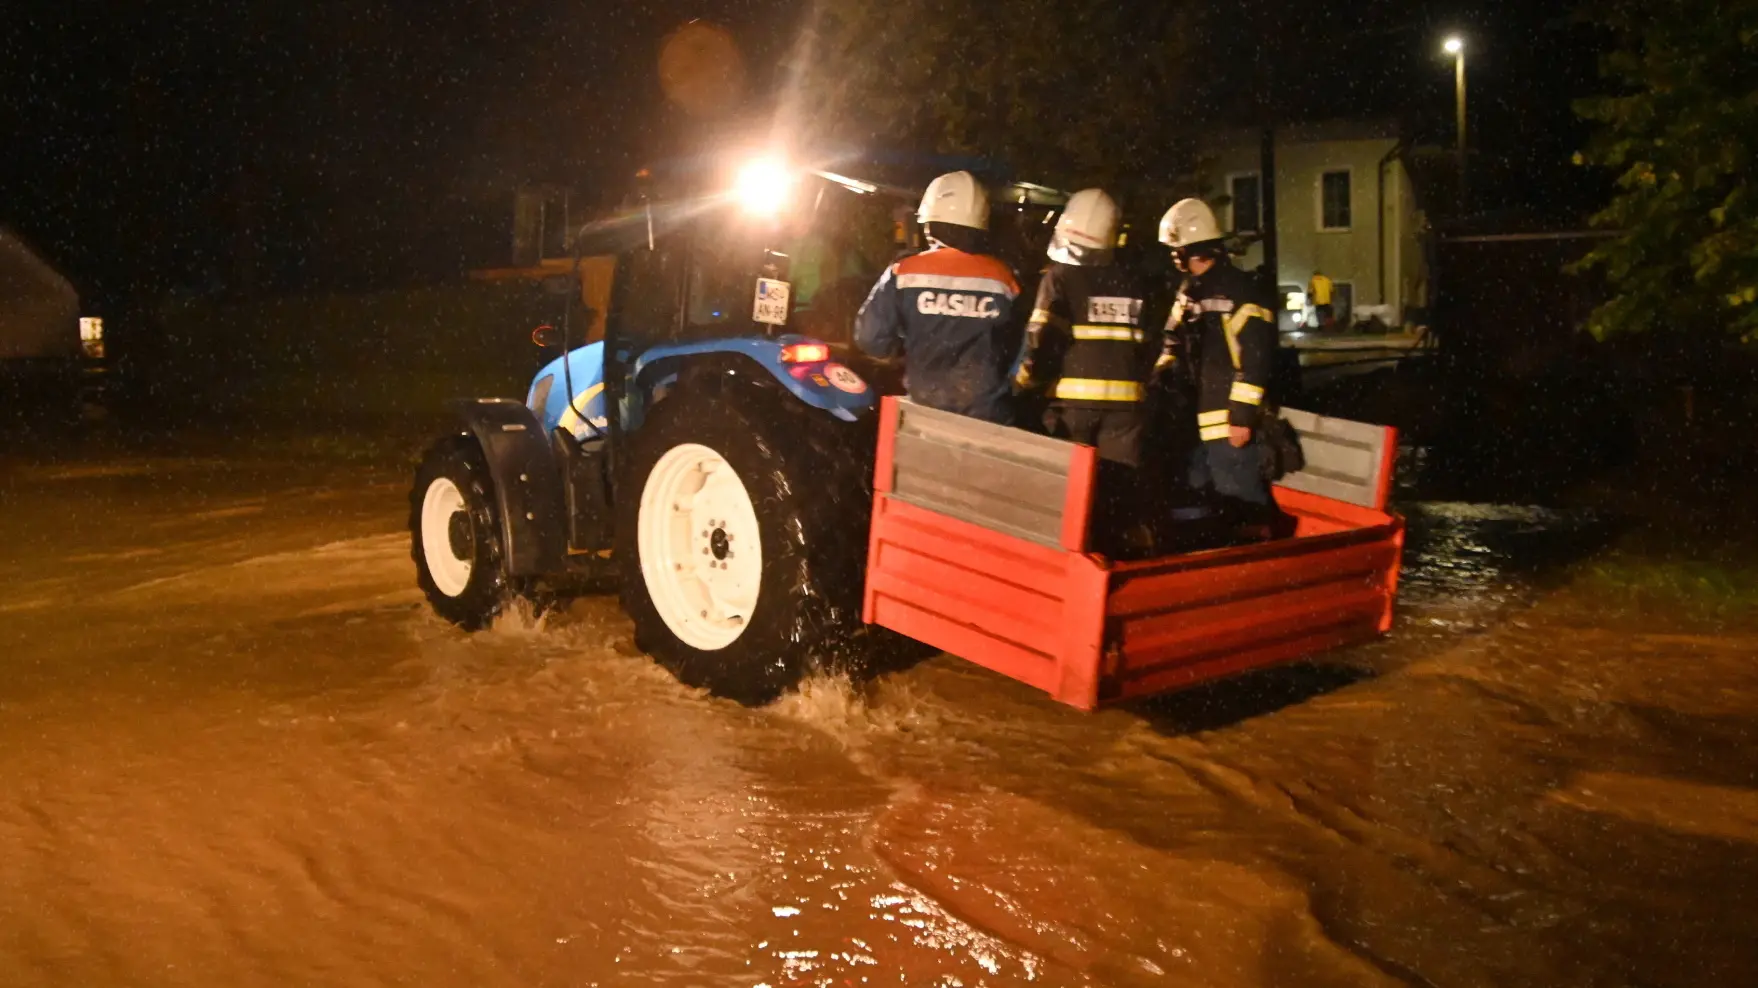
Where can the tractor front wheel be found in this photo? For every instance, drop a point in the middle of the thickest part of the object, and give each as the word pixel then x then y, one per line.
pixel 455 535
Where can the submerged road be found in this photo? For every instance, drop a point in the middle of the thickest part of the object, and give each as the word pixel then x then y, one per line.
pixel 236 749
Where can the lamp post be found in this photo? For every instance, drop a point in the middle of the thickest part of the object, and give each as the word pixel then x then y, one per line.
pixel 1455 46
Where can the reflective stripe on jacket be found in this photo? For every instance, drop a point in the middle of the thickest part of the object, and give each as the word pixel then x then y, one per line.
pixel 1222 325
pixel 1084 340
pixel 953 315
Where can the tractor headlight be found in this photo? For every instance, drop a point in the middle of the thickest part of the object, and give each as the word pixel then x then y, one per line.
pixel 763 186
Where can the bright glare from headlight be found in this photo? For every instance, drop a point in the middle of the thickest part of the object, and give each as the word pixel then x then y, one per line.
pixel 763 186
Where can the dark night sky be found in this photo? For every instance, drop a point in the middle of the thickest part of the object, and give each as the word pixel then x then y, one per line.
pixel 341 143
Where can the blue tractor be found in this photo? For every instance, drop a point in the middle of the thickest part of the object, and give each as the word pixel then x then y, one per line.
pixel 711 455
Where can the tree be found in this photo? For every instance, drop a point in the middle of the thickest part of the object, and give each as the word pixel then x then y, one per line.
pixel 1683 140
pixel 1072 94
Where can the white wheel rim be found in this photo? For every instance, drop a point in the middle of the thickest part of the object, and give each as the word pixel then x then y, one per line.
pixel 442 501
pixel 701 552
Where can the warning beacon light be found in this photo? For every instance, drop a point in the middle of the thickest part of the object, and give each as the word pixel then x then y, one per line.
pixel 763 186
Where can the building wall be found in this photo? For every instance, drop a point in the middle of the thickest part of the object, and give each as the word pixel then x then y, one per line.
pixel 1349 256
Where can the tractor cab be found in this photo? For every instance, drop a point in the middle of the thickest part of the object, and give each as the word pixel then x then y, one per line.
pixel 763 263
pixel 767 253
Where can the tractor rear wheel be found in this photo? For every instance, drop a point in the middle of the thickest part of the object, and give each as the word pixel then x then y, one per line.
pixel 455 535
pixel 742 538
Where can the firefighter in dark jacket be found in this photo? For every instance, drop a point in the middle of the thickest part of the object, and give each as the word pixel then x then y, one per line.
pixel 949 310
pixel 1084 348
pixel 1221 326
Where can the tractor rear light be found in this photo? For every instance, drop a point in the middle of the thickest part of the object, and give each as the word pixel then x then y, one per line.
pixel 805 353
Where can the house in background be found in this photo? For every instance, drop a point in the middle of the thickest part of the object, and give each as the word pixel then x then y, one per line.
pixel 46 346
pixel 1345 206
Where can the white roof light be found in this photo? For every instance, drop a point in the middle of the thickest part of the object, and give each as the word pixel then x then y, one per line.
pixel 763 186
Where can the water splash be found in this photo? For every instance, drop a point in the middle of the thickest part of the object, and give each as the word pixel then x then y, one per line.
pixel 855 713
pixel 522 621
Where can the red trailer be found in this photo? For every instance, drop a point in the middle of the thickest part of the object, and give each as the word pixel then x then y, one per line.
pixel 979 548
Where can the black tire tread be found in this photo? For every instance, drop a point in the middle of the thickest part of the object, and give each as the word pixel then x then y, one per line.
pixel 459 459
pixel 818 476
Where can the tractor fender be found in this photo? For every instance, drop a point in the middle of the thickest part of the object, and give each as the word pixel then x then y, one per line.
pixel 824 385
pixel 527 484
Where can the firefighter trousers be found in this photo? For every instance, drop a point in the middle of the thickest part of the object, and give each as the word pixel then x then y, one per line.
pixel 1116 432
pixel 1235 473
pixel 1118 502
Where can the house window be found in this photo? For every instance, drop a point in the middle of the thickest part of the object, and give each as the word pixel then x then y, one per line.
pixel 1247 202
pixel 1334 200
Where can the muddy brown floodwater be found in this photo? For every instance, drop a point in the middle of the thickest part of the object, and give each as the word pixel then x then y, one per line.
pixel 236 749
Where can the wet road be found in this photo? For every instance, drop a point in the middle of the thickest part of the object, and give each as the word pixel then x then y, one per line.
pixel 235 749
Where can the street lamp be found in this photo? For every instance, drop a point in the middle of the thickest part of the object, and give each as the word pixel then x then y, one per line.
pixel 1455 46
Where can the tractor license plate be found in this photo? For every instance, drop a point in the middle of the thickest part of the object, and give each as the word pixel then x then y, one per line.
pixel 772 298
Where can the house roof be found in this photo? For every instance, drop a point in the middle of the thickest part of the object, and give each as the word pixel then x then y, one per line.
pixel 1311 132
pixel 39 308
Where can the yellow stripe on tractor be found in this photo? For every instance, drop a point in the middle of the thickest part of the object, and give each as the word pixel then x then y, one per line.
pixel 574 419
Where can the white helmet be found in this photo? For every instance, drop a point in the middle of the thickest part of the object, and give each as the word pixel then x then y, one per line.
pixel 1087 229
pixel 957 198
pixel 1189 221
